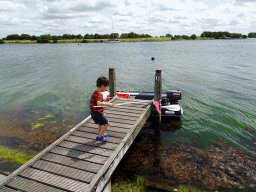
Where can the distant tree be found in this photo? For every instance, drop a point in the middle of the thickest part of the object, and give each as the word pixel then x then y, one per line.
pixel 252 35
pixel 244 36
pixel 79 36
pixel 193 36
pixel 44 38
pixel 1 41
pixel 66 36
pixel 12 37
pixel 203 35
pixel 87 36
pixel 185 37
pixel 168 35
pixel 25 37
pixel 124 35
pixel 33 38
pixel 55 39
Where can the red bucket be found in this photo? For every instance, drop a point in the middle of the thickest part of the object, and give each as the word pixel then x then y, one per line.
pixel 121 95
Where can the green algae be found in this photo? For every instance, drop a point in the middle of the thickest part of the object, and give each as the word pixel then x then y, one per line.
pixel 42 121
pixel 16 156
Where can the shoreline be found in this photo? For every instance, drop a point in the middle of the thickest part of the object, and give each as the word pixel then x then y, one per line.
pixel 153 39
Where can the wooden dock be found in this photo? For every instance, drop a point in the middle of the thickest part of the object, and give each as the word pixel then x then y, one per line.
pixel 77 161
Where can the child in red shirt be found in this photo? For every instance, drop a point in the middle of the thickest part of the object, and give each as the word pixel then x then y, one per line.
pixel 97 112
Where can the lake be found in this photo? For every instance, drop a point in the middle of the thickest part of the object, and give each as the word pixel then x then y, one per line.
pixel 45 89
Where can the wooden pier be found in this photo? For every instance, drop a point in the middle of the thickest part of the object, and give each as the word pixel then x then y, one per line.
pixel 77 161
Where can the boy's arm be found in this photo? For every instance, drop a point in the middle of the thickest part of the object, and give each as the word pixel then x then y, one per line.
pixel 99 103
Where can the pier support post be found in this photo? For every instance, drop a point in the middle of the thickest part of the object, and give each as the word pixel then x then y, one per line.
pixel 112 82
pixel 158 90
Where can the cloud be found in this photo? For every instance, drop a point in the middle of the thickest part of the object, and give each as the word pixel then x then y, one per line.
pixel 246 1
pixel 163 7
pixel 123 14
pixel 85 7
pixel 127 3
pixel 9 6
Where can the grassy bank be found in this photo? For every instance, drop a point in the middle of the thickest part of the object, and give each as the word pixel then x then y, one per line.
pixel 101 40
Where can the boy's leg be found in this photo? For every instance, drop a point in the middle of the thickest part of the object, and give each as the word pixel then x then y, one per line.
pixel 99 127
pixel 103 129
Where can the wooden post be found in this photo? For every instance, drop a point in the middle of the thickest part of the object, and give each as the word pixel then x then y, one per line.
pixel 158 90
pixel 112 82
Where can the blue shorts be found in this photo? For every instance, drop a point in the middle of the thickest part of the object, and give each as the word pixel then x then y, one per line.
pixel 98 118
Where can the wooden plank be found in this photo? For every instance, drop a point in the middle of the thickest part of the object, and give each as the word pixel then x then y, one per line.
pixel 124 129
pixel 54 180
pixel 66 171
pixel 92 142
pixel 86 148
pixel 123 121
pixel 79 155
pixel 123 117
pixel 123 109
pixel 130 107
pixel 72 162
pixel 28 185
pixel 7 189
pixel 95 130
pixel 92 135
pixel 112 125
pixel 106 112
pixel 114 120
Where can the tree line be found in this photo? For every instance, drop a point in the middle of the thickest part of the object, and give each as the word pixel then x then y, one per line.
pixel 69 36
pixel 46 38
pixel 225 34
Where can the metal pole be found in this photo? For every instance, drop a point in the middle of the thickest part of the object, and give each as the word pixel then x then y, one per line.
pixel 158 90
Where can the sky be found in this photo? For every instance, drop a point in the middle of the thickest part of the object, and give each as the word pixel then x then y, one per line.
pixel 153 17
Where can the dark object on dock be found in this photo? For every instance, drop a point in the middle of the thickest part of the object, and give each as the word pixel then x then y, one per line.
pixel 152 58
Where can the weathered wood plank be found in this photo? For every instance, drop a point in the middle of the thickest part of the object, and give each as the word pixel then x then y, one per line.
pixel 123 121
pixel 130 111
pixel 113 125
pixel 72 162
pixel 66 171
pixel 93 142
pixel 114 120
pixel 95 130
pixel 7 189
pixel 54 180
pixel 86 148
pixel 123 129
pixel 92 135
pixel 28 185
pixel 106 112
pixel 118 116
pixel 80 155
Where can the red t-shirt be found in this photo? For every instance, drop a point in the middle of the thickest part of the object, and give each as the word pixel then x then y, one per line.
pixel 96 96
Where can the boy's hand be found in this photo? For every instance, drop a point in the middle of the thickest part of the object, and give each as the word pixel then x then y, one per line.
pixel 111 105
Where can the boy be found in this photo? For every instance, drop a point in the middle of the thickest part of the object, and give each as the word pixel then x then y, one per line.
pixel 97 112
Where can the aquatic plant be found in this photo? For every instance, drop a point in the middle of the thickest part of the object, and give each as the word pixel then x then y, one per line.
pixel 15 155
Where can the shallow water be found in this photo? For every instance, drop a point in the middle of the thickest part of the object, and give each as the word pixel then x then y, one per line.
pixel 45 89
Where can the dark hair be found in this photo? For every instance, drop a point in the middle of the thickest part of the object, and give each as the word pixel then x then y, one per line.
pixel 102 81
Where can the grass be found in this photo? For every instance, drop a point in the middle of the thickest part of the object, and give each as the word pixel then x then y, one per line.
pixel 127 185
